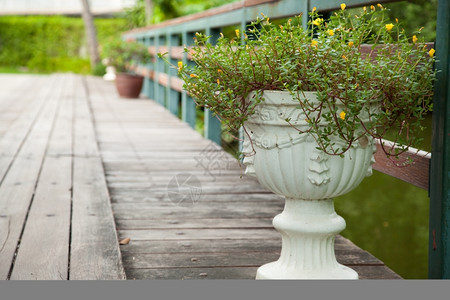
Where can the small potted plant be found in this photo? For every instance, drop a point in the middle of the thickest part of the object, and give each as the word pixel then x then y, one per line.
pixel 122 55
pixel 311 103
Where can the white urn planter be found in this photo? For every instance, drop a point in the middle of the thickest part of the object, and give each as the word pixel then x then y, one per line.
pixel 289 164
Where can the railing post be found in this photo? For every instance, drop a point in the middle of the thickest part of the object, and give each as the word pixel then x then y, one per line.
pixel 160 67
pixel 213 129
pixel 148 81
pixel 188 107
pixel 439 229
pixel 173 95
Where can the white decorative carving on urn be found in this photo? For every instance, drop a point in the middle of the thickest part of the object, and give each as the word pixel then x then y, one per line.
pixel 289 164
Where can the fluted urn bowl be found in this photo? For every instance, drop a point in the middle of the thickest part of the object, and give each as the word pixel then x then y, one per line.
pixel 289 164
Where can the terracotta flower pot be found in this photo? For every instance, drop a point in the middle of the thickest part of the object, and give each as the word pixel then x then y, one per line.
pixel 128 85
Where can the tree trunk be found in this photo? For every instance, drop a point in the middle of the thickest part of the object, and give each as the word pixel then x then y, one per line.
pixel 91 34
pixel 148 11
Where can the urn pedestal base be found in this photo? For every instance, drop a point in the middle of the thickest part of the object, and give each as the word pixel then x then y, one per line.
pixel 273 271
pixel 308 229
pixel 288 162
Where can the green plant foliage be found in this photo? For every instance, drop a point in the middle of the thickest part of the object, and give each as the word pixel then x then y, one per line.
pixel 416 14
pixel 325 58
pixel 99 70
pixel 194 6
pixel 48 44
pixel 121 54
pixel 167 9
pixel 135 15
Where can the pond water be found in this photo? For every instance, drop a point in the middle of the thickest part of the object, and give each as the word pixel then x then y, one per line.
pixel 389 218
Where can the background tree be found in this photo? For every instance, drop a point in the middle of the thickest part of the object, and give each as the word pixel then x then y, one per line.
pixel 91 34
pixel 148 11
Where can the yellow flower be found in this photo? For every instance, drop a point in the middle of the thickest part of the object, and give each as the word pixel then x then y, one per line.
pixel 431 52
pixel 317 21
pixel 396 20
pixel 237 32
pixel 372 7
pixel 330 32
pixel 180 65
pixel 350 44
pixel 344 57
pixel 218 81
pixel 342 115
pixel 343 6
pixel 314 43
pixel 389 26
pixel 379 5
pixel 364 9
pixel 414 39
pixel 193 76
pixel 219 70
pixel 314 9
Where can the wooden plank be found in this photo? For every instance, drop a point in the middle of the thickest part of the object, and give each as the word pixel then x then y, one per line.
pixel 48 222
pixel 13 98
pixel 17 188
pixel 163 194
pixel 117 130
pixel 174 223
pixel 192 273
pixel 234 259
pixel 161 179
pixel 239 273
pixel 238 259
pixel 220 245
pixel 146 197
pixel 375 272
pixel 194 212
pixel 190 260
pixel 197 233
pixel 13 139
pixel 136 247
pixel 206 187
pixel 44 248
pixel 95 251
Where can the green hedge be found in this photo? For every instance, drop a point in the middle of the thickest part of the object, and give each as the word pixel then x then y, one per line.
pixel 49 44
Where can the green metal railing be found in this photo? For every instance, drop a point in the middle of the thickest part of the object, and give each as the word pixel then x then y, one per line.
pixel 163 86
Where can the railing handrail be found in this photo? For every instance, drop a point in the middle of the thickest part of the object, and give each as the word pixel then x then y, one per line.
pixel 246 11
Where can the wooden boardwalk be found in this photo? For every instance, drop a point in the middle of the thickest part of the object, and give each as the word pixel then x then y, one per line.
pixel 73 155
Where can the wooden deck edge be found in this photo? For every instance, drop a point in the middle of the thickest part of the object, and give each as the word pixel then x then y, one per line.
pixel 95 251
pixel 373 266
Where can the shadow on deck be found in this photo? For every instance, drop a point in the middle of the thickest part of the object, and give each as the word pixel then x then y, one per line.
pixel 75 157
